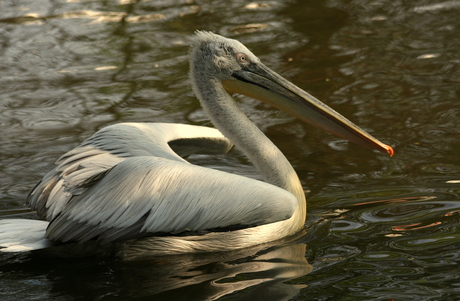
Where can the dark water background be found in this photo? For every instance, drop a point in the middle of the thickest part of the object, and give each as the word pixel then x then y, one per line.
pixel 378 228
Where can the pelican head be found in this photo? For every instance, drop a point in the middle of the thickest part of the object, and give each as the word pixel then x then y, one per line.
pixel 230 65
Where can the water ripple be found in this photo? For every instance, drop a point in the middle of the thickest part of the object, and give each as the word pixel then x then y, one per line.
pixel 408 211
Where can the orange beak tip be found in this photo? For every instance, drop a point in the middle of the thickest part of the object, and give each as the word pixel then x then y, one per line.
pixel 390 150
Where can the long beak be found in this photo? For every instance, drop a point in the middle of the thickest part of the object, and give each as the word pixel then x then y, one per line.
pixel 259 82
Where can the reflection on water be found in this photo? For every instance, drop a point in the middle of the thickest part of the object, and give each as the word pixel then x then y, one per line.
pixel 255 274
pixel 378 228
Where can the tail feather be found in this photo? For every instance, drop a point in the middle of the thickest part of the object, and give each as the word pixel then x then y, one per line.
pixel 22 235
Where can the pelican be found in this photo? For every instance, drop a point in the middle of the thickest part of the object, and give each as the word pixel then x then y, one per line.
pixel 130 183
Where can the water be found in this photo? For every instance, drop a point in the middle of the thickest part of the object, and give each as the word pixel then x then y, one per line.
pixel 378 228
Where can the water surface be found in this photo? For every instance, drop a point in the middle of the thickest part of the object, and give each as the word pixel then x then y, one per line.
pixel 378 228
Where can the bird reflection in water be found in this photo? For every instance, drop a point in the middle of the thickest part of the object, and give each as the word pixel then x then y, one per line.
pixel 258 273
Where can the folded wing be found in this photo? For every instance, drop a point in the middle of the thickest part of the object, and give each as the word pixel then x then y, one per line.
pixel 126 182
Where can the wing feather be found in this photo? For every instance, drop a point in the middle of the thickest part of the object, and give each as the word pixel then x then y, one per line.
pixel 126 181
pixel 80 168
pixel 144 195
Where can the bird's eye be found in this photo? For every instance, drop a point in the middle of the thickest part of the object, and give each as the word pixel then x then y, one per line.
pixel 242 59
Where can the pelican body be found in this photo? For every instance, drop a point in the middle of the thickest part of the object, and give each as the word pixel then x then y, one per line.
pixel 129 183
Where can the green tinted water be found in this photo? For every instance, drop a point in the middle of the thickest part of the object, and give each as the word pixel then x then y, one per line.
pixel 377 229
